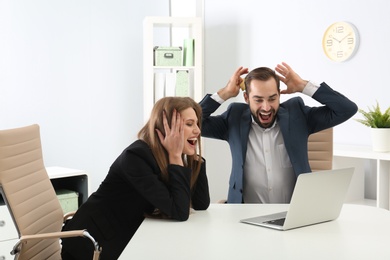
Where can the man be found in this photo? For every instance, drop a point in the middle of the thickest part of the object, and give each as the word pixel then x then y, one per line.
pixel 268 139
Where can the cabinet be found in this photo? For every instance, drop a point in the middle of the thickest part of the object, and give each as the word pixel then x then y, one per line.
pixel 171 32
pixel 357 156
pixel 61 178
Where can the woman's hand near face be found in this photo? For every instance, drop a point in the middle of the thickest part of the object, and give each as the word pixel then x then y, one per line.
pixel 173 141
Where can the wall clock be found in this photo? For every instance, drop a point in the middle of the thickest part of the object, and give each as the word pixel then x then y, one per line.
pixel 340 41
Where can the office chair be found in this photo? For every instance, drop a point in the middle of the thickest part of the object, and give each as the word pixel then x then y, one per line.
pixel 320 150
pixel 30 197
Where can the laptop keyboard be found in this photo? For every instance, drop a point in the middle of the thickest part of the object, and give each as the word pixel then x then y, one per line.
pixel 278 222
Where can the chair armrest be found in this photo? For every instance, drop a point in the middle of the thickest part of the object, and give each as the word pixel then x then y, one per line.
pixel 57 235
pixel 69 215
pixel 65 234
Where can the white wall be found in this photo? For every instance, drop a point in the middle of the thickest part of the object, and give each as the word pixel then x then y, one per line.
pixel 75 68
pixel 264 33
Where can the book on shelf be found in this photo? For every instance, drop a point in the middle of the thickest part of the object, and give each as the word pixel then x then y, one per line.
pixel 178 82
pixel 170 84
pixel 159 85
pixel 188 52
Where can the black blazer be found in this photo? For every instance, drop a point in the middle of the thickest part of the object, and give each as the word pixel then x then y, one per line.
pixel 132 188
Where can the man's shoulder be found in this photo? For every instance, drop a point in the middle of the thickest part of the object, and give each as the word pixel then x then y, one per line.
pixel 238 111
pixel 292 102
pixel 238 106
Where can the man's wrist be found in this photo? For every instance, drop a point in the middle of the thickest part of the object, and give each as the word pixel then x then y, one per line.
pixel 310 88
pixel 217 98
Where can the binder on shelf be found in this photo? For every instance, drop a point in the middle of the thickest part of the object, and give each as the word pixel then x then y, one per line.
pixel 182 83
pixel 170 84
pixel 159 85
pixel 188 52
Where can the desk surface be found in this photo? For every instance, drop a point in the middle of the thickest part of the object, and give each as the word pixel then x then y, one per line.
pixel 358 151
pixel 361 232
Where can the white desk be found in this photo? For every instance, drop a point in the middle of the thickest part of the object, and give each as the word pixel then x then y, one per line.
pixel 352 155
pixel 361 232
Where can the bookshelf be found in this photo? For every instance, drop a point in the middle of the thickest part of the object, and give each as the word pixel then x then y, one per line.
pixel 171 32
pixel 357 156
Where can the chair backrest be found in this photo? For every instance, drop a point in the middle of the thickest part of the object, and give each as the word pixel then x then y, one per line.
pixel 320 150
pixel 28 192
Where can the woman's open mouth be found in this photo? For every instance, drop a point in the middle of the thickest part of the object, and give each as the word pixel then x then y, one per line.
pixel 192 141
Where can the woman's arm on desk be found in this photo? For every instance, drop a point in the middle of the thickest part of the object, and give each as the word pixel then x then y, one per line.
pixel 200 197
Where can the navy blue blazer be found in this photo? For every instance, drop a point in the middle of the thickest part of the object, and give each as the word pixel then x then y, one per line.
pixel 297 121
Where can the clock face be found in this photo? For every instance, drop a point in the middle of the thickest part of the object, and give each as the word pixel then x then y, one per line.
pixel 340 41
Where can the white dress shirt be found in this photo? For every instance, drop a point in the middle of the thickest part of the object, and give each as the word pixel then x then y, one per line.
pixel 268 173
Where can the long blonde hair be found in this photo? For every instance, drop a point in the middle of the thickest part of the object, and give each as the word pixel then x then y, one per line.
pixel 148 134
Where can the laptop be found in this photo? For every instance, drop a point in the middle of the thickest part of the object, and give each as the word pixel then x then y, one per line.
pixel 317 197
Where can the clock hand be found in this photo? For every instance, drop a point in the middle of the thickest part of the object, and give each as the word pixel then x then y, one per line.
pixel 336 39
pixel 345 37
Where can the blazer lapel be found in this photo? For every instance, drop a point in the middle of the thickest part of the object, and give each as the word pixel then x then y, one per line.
pixel 284 123
pixel 245 124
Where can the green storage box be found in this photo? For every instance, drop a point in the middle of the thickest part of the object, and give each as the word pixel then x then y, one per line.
pixel 69 200
pixel 167 56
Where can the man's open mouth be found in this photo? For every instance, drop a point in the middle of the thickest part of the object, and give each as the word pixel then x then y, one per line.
pixel 265 116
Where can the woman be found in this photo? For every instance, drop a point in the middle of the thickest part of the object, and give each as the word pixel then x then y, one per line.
pixel 161 174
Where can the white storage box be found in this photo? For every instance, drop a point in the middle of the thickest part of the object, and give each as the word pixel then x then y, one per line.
pixel 167 56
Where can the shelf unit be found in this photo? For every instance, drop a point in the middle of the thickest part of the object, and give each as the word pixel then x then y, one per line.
pixel 174 30
pixel 356 156
pixel 61 178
